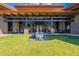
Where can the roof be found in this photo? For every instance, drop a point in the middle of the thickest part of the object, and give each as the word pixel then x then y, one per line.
pixel 39 8
pixel 22 9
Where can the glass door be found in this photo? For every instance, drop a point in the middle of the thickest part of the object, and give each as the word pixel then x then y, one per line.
pixel 21 27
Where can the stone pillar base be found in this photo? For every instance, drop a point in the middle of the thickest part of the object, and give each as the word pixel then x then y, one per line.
pixel 26 31
pixel 1 31
pixel 52 30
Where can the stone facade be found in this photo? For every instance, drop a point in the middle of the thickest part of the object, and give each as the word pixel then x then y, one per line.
pixel 3 25
pixel 75 25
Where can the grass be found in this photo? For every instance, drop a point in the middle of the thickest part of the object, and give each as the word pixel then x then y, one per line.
pixel 20 45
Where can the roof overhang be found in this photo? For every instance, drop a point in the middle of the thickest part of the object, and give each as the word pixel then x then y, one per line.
pixel 41 13
pixel 3 5
pixel 72 7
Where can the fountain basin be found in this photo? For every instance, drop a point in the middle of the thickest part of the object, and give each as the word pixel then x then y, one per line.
pixel 39 36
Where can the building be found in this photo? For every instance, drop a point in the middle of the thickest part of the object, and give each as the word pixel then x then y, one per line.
pixel 46 18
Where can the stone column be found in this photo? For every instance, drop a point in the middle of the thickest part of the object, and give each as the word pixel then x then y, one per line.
pixel 37 29
pixel 52 28
pixel 15 26
pixel 75 25
pixel 3 25
pixel 26 28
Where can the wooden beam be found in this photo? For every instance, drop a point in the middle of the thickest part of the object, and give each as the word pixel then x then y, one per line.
pixel 43 14
pixel 14 13
pixel 21 13
pixel 29 14
pixel 36 14
pixel 49 14
pixel 6 13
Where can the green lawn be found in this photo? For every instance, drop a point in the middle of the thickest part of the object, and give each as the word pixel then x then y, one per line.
pixel 18 45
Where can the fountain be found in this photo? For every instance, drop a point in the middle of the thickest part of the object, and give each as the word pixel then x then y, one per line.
pixel 39 34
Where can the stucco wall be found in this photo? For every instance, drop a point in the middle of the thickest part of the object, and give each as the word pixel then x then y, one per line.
pixel 3 25
pixel 75 25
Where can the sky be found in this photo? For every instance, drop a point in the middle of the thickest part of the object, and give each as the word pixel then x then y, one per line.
pixel 12 5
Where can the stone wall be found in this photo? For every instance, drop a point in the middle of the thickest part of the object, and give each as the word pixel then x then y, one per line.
pixel 75 25
pixel 3 25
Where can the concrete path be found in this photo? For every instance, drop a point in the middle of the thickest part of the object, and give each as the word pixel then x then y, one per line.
pixel 1 35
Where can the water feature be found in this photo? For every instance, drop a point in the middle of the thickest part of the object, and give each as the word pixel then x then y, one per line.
pixel 39 34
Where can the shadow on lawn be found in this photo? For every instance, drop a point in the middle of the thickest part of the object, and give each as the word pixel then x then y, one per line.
pixel 69 39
